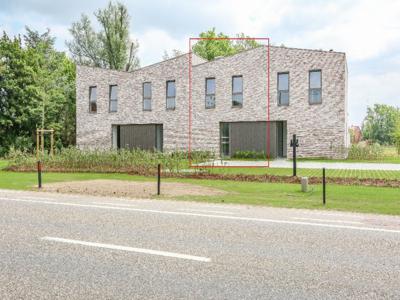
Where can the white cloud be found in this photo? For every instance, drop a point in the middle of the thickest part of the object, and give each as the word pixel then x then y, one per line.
pixel 363 29
pixel 153 42
pixel 254 18
pixel 368 89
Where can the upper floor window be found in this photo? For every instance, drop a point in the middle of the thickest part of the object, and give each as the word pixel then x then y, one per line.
pixel 113 105
pixel 171 94
pixel 237 91
pixel 147 96
pixel 93 99
pixel 283 88
pixel 315 87
pixel 210 92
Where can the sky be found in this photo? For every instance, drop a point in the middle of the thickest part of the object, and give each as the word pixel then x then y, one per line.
pixel 368 31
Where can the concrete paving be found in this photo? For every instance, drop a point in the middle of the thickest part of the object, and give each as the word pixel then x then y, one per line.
pixel 281 163
pixel 84 247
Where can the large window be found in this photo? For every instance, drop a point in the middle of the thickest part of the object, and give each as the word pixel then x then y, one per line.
pixel 315 87
pixel 283 88
pixel 92 99
pixel 147 96
pixel 237 91
pixel 210 92
pixel 113 107
pixel 171 94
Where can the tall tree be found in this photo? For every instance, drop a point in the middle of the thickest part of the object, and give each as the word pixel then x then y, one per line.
pixel 37 89
pixel 214 45
pixel 18 95
pixel 379 124
pixel 111 47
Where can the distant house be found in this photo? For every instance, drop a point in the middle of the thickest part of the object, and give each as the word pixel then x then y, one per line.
pixel 149 108
pixel 356 134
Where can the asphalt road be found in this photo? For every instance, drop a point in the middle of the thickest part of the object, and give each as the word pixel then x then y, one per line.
pixel 83 247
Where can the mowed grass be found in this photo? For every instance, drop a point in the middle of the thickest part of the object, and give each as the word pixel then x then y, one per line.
pixel 346 173
pixel 344 198
pixel 29 180
pixel 390 156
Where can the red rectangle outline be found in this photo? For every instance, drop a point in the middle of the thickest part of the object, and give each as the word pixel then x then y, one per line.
pixel 190 100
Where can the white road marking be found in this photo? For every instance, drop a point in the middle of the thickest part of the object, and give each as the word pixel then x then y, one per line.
pixel 129 249
pixel 209 211
pixel 327 220
pixel 115 204
pixel 177 213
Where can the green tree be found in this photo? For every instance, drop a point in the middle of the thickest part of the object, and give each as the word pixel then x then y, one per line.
pixel 215 45
pixel 18 95
pixel 396 135
pixel 37 89
pixel 379 124
pixel 111 47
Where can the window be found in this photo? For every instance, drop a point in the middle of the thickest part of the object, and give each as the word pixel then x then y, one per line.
pixel 147 96
pixel 225 139
pixel 315 87
pixel 283 88
pixel 93 99
pixel 210 92
pixel 237 91
pixel 171 93
pixel 113 98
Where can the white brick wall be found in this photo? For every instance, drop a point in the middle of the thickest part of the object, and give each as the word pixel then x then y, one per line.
pixel 318 126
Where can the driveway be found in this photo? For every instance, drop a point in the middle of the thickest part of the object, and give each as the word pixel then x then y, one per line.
pixel 87 247
pixel 281 163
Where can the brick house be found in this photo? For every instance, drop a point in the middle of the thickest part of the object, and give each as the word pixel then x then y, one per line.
pixel 149 108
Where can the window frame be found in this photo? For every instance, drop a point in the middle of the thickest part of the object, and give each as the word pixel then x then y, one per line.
pixel 166 95
pixel 90 100
pixel 241 93
pixel 112 100
pixel 279 91
pixel 147 98
pixel 209 94
pixel 311 89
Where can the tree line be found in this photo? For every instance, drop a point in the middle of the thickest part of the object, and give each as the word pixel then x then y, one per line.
pixel 37 82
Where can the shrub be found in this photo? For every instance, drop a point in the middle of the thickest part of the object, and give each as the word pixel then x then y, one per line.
pixel 365 151
pixel 122 160
pixel 249 155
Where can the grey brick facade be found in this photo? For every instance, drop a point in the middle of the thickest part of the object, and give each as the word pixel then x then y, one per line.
pixel 321 128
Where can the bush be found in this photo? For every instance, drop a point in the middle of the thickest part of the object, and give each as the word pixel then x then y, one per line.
pixel 135 161
pixel 249 155
pixel 365 152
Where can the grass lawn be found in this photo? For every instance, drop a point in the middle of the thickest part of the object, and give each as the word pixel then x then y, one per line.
pixel 379 174
pixel 390 156
pixel 345 198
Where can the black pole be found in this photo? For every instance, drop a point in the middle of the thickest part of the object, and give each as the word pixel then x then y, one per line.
pixel 39 170
pixel 323 187
pixel 159 179
pixel 294 144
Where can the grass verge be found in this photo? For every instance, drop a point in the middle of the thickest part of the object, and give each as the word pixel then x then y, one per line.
pixel 344 198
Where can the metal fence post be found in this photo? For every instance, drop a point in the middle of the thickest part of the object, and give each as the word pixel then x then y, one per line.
pixel 323 187
pixel 294 143
pixel 159 180
pixel 39 170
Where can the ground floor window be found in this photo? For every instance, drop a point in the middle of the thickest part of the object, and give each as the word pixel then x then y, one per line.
pixel 138 136
pixel 250 139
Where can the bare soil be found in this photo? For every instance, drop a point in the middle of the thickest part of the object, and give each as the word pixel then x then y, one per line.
pixel 134 189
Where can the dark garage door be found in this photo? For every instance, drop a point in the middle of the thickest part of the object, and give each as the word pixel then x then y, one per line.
pixel 141 136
